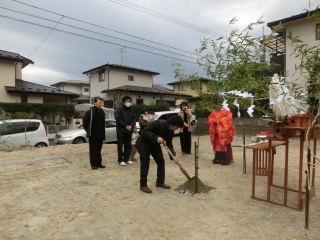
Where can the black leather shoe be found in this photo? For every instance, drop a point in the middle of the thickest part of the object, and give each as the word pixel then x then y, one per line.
pixel 162 185
pixel 94 168
pixel 102 166
pixel 146 189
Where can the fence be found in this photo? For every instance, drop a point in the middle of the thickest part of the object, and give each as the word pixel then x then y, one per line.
pixel 57 128
pixel 250 126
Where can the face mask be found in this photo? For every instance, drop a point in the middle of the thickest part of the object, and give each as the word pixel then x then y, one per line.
pixel 128 104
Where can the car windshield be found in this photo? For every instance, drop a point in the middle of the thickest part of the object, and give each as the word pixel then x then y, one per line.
pixel 81 126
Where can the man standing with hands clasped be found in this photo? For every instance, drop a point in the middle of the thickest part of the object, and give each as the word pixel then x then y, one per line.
pixel 94 125
pixel 126 120
pixel 156 133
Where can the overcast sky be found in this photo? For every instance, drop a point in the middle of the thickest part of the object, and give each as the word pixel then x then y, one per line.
pixel 169 33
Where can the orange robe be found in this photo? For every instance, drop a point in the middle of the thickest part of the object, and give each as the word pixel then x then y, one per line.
pixel 221 132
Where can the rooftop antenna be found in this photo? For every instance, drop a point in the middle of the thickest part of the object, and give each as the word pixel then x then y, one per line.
pixel 121 51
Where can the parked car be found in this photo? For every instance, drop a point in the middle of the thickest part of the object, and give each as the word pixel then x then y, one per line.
pixel 78 135
pixel 19 132
pixel 165 115
pixel 193 120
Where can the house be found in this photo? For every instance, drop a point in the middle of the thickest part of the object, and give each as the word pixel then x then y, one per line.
pixel 14 89
pixel 304 25
pixel 80 87
pixel 111 82
pixel 192 88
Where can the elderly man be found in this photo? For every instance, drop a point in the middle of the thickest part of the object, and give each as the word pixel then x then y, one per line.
pixel 94 125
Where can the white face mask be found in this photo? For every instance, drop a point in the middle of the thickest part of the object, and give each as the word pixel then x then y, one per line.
pixel 128 104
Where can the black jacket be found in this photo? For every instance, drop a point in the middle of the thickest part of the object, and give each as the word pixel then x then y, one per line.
pixel 125 116
pixel 94 123
pixel 157 128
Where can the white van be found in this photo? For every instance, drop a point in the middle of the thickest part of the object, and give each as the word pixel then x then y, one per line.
pixel 18 132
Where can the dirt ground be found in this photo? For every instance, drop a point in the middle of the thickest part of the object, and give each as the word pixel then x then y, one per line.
pixel 52 193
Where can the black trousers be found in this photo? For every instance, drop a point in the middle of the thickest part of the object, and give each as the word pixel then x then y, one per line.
pixel 185 141
pixel 124 146
pixel 145 150
pixel 95 146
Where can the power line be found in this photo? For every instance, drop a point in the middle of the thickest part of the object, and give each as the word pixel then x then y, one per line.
pixel 91 38
pixel 162 16
pixel 191 11
pixel 83 29
pixel 45 38
pixel 95 25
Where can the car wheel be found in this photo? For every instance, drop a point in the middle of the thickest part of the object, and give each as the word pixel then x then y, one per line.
pixel 193 122
pixel 41 144
pixel 78 140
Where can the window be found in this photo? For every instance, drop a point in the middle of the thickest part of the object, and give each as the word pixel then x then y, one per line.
pixel 318 31
pixel 101 76
pixel 85 89
pixel 182 87
pixel 130 78
pixel 24 98
pixel 108 103
pixel 139 101
pixel 22 127
pixel 6 129
pixel 111 124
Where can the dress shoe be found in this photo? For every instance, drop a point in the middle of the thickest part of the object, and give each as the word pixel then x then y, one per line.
pixel 102 166
pixel 162 185
pixel 146 189
pixel 94 168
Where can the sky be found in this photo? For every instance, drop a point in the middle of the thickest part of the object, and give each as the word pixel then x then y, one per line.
pixel 67 37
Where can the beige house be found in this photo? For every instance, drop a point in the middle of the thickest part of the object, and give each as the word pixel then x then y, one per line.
pixel 111 82
pixel 14 89
pixel 80 87
pixel 191 88
pixel 304 25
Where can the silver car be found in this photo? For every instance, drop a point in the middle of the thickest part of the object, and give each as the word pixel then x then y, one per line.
pixel 78 135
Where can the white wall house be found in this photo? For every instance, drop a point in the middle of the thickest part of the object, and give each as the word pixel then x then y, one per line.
pixel 14 89
pixel 111 82
pixel 80 87
pixel 304 25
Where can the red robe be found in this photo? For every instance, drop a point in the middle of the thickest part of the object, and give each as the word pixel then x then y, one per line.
pixel 221 132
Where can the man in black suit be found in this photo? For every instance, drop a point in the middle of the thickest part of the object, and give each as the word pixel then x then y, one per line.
pixel 94 125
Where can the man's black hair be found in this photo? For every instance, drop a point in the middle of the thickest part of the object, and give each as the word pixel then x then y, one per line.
pixel 175 120
pixel 97 98
pixel 125 98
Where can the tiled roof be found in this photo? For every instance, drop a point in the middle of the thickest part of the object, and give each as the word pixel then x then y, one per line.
pixel 156 89
pixel 82 98
pixel 291 19
pixel 10 56
pixel 121 67
pixel 77 82
pixel 188 80
pixel 25 87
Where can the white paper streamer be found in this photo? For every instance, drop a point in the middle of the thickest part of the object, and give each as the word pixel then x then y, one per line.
pixel 237 105
pixel 250 110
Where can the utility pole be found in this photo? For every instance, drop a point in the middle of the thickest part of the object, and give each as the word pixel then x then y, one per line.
pixel 121 51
